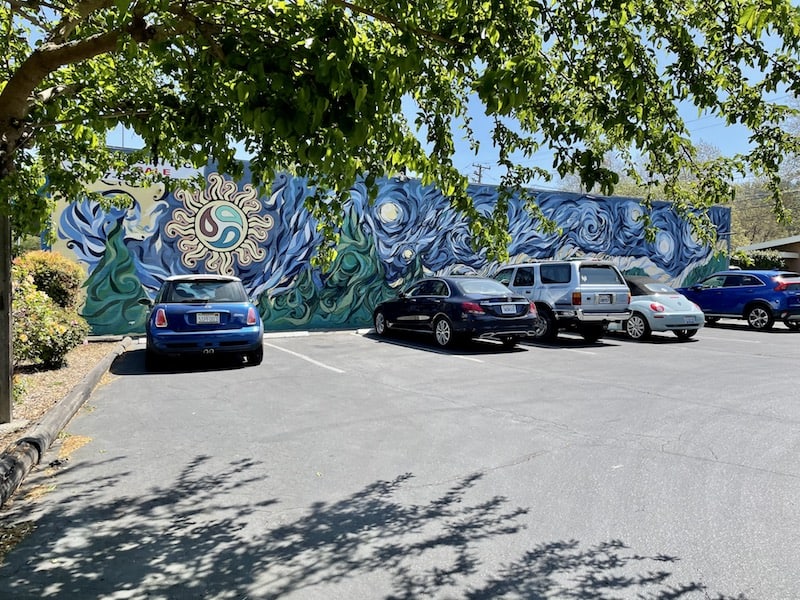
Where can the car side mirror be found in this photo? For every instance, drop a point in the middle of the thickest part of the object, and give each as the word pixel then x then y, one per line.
pixel 402 295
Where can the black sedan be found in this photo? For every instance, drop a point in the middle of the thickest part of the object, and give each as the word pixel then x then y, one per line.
pixel 453 308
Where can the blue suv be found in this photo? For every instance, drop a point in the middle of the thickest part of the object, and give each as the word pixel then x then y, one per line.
pixel 760 297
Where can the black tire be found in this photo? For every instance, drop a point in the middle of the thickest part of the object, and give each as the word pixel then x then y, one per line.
pixel 592 333
pixel 153 362
pixel 510 341
pixel 793 325
pixel 546 328
pixel 380 323
pixel 255 357
pixel 443 333
pixel 684 334
pixel 637 327
pixel 759 316
pixel 712 320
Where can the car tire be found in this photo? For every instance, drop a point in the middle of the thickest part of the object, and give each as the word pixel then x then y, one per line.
pixel 684 334
pixel 443 333
pixel 510 341
pixel 712 320
pixel 545 329
pixel 592 333
pixel 637 327
pixel 759 316
pixel 793 325
pixel 380 323
pixel 255 357
pixel 152 361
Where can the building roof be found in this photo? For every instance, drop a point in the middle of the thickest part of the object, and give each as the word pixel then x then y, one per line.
pixel 770 244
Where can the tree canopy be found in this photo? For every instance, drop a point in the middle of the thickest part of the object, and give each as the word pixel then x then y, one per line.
pixel 316 87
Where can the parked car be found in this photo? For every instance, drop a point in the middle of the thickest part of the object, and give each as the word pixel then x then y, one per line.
pixel 758 296
pixel 585 295
pixel 202 315
pixel 456 307
pixel 655 306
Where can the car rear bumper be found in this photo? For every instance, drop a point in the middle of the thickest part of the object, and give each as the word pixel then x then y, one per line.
pixel 580 315
pixel 206 343
pixel 495 328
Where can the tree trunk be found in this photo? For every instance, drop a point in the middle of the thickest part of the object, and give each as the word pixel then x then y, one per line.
pixel 6 370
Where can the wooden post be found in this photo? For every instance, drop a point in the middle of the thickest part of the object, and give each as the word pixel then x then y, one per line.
pixel 6 356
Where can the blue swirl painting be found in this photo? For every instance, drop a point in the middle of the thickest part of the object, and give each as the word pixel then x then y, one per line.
pixel 408 231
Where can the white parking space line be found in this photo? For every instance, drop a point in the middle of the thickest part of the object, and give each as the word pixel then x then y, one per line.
pixel 723 339
pixel 304 357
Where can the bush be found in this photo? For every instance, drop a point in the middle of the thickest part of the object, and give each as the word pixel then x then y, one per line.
pixel 758 259
pixel 43 332
pixel 55 275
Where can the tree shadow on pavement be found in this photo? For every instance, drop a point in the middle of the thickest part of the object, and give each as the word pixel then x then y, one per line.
pixel 203 536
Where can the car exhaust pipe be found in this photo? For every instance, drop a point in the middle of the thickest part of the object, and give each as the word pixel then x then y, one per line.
pixel 208 351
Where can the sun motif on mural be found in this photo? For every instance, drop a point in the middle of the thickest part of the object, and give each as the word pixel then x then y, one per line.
pixel 220 226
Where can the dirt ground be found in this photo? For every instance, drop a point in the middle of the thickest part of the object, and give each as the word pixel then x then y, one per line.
pixel 44 388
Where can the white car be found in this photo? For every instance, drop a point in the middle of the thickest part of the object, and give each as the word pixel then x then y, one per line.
pixel 656 306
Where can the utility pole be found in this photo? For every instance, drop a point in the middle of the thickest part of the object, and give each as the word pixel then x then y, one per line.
pixel 479 168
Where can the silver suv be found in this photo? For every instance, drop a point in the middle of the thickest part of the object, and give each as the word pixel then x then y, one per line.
pixel 584 295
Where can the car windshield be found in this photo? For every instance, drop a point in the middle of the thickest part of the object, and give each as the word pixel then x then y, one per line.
pixel 483 287
pixel 205 291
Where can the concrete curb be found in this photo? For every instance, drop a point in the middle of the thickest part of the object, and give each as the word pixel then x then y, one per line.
pixel 27 452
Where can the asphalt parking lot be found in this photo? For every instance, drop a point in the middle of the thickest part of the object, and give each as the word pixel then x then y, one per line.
pixel 348 466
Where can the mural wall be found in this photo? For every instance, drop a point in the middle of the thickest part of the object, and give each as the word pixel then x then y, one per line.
pixel 410 230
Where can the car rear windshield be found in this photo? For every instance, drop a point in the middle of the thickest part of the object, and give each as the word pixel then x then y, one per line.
pixel 483 287
pixel 205 291
pixel 600 274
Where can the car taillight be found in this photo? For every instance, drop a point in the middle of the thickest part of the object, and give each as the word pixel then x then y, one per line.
pixel 657 307
pixel 576 298
pixel 533 310
pixel 472 308
pixel 251 316
pixel 161 318
pixel 781 286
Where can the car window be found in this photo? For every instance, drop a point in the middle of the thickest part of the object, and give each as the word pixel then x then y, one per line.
pixel 524 276
pixel 483 287
pixel 659 288
pixel 599 274
pixel 439 288
pixel 204 291
pixel 555 273
pixel 733 281
pixel 714 281
pixel 750 280
pixel 504 276
pixel 423 288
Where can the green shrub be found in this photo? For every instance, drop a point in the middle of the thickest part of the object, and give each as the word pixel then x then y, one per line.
pixel 57 276
pixel 758 259
pixel 43 332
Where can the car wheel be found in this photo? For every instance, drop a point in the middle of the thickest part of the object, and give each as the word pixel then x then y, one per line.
pixel 255 357
pixel 443 332
pixel 637 328
pixel 510 341
pixel 152 361
pixel 793 325
pixel 712 320
pixel 592 333
pixel 380 323
pixel 760 317
pixel 684 334
pixel 545 328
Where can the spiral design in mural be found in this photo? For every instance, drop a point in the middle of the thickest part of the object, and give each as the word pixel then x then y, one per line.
pixel 223 226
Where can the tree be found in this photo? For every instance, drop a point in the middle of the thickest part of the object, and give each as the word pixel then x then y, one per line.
pixel 317 87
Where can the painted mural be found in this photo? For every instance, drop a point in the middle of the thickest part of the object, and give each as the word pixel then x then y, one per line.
pixel 408 231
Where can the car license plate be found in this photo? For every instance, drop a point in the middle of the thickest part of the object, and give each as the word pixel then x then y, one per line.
pixel 689 320
pixel 604 298
pixel 508 309
pixel 207 318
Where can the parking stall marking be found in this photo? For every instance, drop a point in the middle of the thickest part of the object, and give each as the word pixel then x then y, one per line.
pixel 306 358
pixel 725 339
